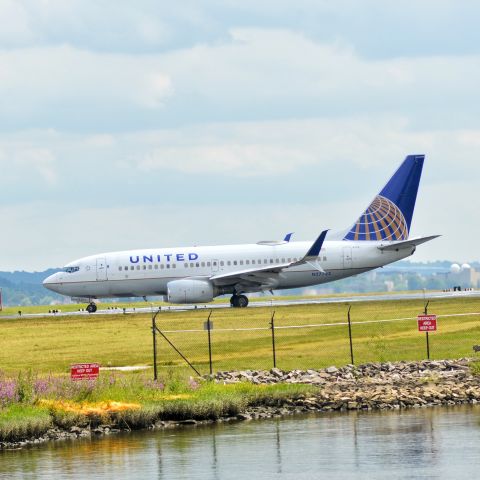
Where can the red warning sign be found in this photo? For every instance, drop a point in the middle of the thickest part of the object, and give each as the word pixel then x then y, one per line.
pixel 427 323
pixel 84 371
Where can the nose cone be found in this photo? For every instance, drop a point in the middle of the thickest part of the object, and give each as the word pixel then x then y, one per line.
pixel 53 282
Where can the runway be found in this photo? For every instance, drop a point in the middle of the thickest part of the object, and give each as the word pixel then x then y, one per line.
pixel 112 309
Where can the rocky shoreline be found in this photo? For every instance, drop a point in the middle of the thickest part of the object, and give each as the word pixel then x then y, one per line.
pixel 385 386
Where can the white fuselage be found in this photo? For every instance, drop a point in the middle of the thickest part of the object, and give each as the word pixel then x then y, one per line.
pixel 147 272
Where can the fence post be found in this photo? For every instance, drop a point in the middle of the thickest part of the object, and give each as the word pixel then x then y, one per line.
pixel 154 333
pixel 272 326
pixel 350 335
pixel 209 327
pixel 425 311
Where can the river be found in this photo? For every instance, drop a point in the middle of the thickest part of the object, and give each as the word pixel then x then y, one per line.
pixel 434 443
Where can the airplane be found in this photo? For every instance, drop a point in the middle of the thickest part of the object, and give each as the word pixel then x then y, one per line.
pixel 199 274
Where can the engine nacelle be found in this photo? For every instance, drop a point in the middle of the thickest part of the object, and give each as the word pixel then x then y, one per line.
pixel 190 291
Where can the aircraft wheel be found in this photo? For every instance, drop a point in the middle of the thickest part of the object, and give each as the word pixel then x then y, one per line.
pixel 242 301
pixel 234 301
pixel 91 308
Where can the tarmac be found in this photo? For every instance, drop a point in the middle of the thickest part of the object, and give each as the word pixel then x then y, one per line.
pixel 112 309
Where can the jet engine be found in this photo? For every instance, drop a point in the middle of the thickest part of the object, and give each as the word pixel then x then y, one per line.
pixel 190 291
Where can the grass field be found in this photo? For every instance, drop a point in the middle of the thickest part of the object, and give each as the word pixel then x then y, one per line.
pixel 36 354
pixel 52 344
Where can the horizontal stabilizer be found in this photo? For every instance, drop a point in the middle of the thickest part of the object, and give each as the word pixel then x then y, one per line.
pixel 412 242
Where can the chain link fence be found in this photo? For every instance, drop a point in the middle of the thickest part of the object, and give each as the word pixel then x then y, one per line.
pixel 313 336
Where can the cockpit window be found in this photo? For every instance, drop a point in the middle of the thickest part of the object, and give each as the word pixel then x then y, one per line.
pixel 71 269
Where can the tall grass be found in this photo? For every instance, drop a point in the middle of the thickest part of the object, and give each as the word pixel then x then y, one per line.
pixel 35 403
pixel 23 421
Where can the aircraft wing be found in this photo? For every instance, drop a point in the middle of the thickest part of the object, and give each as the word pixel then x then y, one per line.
pixel 268 276
pixel 412 242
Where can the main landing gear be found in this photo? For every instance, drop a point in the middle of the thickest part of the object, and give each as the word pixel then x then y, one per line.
pixel 91 307
pixel 239 301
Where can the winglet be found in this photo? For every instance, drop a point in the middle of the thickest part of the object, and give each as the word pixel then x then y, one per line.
pixel 288 236
pixel 317 246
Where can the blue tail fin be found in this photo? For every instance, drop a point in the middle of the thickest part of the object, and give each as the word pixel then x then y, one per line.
pixel 390 214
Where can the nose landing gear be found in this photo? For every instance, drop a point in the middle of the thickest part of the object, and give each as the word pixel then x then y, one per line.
pixel 239 301
pixel 91 307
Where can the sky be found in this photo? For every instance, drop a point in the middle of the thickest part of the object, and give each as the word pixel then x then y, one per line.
pixel 155 124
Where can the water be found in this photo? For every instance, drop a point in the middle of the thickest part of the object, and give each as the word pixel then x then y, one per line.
pixel 440 443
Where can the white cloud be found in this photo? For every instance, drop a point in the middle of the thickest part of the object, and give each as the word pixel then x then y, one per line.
pixel 227 159
pixel 258 74
pixel 27 164
pixel 38 160
pixel 155 88
pixel 15 24
pixel 70 85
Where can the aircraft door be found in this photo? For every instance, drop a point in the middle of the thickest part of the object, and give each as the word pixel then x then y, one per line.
pixel 347 257
pixel 101 269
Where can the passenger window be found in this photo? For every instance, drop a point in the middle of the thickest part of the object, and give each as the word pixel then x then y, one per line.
pixel 247 262
pixel 289 260
pixel 155 266
pixel 203 264
pixel 324 259
pixel 241 262
pixel 174 265
pixel 222 263
pixel 197 264
pixel 168 265
pixel 149 267
pixel 138 267
pixel 144 267
pixel 120 268
pixel 271 260
pixel 229 263
pixel 265 261
pixel 132 267
pixel 208 264
pixel 162 266
pixel 253 262
pixel 277 260
pixel 185 265
pixel 234 262
pixel 283 260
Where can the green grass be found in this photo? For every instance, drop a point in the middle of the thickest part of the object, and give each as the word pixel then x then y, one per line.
pixel 23 421
pixel 52 344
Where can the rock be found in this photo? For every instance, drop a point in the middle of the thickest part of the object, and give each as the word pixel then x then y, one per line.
pixel 244 416
pixel 276 372
pixel 189 421
pixel 331 370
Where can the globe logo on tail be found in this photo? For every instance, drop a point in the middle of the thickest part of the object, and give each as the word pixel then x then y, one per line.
pixel 382 220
